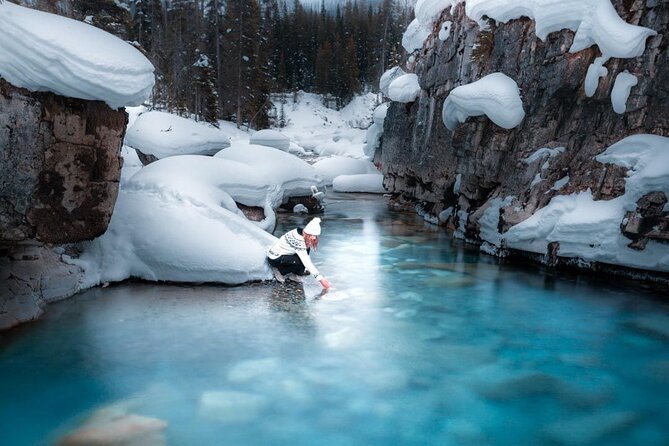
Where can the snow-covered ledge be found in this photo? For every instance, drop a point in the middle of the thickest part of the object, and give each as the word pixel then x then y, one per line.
pixel 496 95
pixel 45 52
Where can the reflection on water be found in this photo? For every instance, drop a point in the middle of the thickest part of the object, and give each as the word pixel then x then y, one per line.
pixel 420 342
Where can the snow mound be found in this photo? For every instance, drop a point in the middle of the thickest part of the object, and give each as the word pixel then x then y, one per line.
pixel 163 134
pixel 270 138
pixel 404 89
pixel 593 21
pixel 173 221
pixel 495 95
pixel 369 182
pixel 330 168
pixel 596 70
pixel 590 229
pixel 265 177
pixel 388 77
pixel 46 52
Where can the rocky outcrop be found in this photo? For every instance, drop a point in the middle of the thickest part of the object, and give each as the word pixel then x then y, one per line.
pixel 422 160
pixel 60 162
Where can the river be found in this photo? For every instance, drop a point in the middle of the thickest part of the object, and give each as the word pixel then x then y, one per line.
pixel 421 341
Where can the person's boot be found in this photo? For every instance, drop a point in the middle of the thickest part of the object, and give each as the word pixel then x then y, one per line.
pixel 294 278
pixel 278 276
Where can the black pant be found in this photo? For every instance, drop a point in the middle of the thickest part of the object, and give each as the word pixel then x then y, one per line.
pixel 288 264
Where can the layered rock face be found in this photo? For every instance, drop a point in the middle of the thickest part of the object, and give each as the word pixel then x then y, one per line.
pixel 61 165
pixel 426 164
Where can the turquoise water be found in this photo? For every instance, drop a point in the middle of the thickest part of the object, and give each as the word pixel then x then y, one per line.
pixel 421 342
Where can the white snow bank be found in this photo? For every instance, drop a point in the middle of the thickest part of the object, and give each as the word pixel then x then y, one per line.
pixel 388 77
pixel 163 134
pixel 270 138
pixel 404 89
pixel 495 95
pixel 46 52
pixel 370 183
pixel 590 229
pixel 621 91
pixel 173 221
pixel 330 168
pixel 594 21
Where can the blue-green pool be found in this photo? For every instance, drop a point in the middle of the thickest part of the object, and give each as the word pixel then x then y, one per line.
pixel 421 342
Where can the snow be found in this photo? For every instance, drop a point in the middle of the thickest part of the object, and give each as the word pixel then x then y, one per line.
pixel 266 177
pixel 594 21
pixel 404 89
pixel 621 91
pixel 45 52
pixel 388 77
pixel 559 184
pixel 164 134
pixel 270 138
pixel 596 70
pixel 414 36
pixel 131 164
pixel 445 30
pixel 330 168
pixel 370 183
pixel 375 131
pixel 325 131
pixel 543 153
pixel 589 229
pixel 495 95
pixel 427 12
pixel 172 221
pixel 489 221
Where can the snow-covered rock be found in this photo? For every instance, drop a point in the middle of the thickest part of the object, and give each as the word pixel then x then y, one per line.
pixel 45 52
pixel 495 95
pixel 590 229
pixel 414 36
pixel 404 89
pixel 330 168
pixel 270 138
pixel 164 134
pixel 388 77
pixel 369 182
pixel 174 221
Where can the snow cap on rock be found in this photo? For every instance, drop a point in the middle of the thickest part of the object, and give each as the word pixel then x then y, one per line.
pixel 313 227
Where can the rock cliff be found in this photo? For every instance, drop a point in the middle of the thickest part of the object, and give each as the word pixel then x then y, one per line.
pixel 61 165
pixel 466 171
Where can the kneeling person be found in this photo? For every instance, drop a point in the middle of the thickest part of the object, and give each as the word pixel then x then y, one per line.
pixel 290 255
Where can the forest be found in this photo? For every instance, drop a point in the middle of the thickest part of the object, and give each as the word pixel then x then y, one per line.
pixel 221 59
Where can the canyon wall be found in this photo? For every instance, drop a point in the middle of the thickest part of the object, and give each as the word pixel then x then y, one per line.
pixel 431 168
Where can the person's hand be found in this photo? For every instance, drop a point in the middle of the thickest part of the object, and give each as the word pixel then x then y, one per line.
pixel 324 283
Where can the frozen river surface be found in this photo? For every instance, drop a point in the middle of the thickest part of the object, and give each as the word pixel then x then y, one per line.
pixel 420 342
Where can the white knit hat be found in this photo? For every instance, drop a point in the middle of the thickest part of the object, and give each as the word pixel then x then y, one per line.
pixel 313 227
